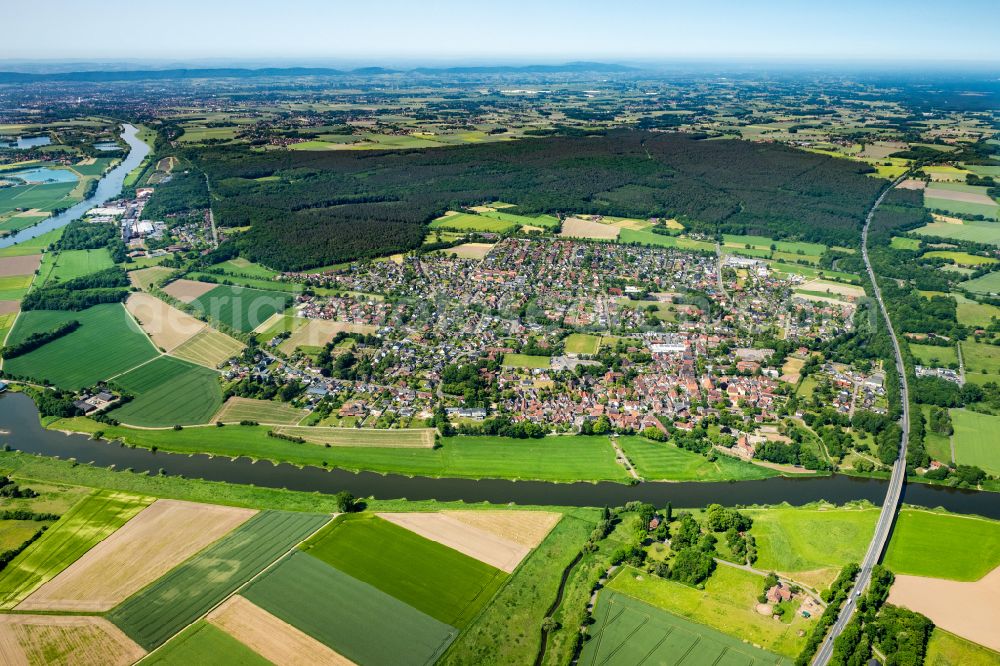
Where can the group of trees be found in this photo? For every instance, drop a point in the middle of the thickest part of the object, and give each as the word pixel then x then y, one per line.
pixel 37 339
pixel 335 206
pixel 107 286
pixel 81 235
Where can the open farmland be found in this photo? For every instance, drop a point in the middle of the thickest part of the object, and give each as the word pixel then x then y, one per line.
pixel 187 291
pixel 242 308
pixel 204 643
pixel 455 221
pixel 189 590
pixel 666 461
pixel 947 649
pixel 144 278
pixel 23 265
pixel 575 227
pixel 85 525
pixel 209 348
pixel 937 545
pixel 976 439
pixel 963 230
pixel 68 640
pixel 528 528
pixel 432 578
pixel 933 355
pixel 61 265
pixel 472 541
pixel 169 391
pixel 982 361
pixel 351 617
pixel 167 326
pixel 107 343
pixel 14 287
pixel 469 250
pixel 270 637
pixel 727 604
pixel 318 332
pixel 162 536
pixel 628 631
pixel 987 284
pixel 238 409
pixel 420 438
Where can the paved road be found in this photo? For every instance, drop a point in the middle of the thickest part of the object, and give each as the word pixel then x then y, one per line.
pixel 884 526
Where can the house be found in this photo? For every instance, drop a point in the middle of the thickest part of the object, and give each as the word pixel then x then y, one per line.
pixel 654 523
pixel 779 593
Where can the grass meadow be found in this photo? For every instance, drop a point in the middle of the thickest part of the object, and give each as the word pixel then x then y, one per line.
pixel 108 342
pixel 982 361
pixel 525 361
pixel 977 439
pixel 242 308
pixel 470 222
pixel 168 391
pixel 581 343
pixel 975 231
pixel 943 545
pixel 663 461
pixel 443 583
pixel 81 528
pixel 987 284
pixel 68 264
pixel 934 356
pixel 947 649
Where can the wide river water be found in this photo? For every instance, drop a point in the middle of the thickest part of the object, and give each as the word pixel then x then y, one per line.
pixel 21 430
pixel 109 187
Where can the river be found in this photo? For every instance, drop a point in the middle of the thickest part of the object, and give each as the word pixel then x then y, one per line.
pixel 109 187
pixel 21 430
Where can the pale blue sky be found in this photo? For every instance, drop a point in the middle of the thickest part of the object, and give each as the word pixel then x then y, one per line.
pixel 380 31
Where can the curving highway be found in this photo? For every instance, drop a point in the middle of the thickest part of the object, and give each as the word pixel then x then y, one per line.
pixel 892 497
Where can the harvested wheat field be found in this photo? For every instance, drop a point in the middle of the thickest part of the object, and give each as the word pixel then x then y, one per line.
pixel 574 227
pixel 475 542
pixel 469 250
pixel 26 265
pixel 318 332
pixel 146 277
pixel 64 639
pixel 527 528
pixel 269 412
pixel 275 640
pixel 912 184
pixel 162 536
pixel 849 290
pixel 208 347
pixel 166 325
pixel 188 290
pixel 953 195
pixel 969 610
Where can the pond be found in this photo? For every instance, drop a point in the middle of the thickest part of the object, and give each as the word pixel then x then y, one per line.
pixel 43 175
pixel 24 142
pixel 22 430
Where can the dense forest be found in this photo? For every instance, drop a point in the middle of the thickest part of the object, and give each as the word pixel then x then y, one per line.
pixel 316 208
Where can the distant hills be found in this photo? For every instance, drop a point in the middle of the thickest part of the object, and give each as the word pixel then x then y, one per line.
pixel 99 76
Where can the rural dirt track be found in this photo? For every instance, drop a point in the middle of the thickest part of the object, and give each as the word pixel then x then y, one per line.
pixel 162 536
pixel 473 541
pixel 527 528
pixel 25 265
pixel 272 638
pixel 574 227
pixel 80 641
pixel 969 610
pixel 188 290
pixel 951 195
pixel 167 326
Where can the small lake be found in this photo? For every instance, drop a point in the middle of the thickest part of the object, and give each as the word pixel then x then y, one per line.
pixel 109 187
pixel 21 430
pixel 43 175
pixel 24 142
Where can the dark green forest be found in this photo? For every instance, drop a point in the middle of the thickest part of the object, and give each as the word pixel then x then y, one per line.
pixel 327 207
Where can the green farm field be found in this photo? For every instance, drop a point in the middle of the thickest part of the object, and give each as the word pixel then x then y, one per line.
pixel 241 266
pixel 108 342
pixel 243 308
pixel 166 606
pixel 987 284
pixel 543 221
pixel 32 245
pixel 962 207
pixel 947 649
pixel 765 243
pixel 525 361
pixel 68 264
pixel 961 258
pixel 568 458
pixel 725 605
pixel 401 438
pixel 942 545
pixel 643 237
pixel 977 439
pixel 15 532
pixel 811 544
pixel 206 645
pixel 901 243
pixel 937 445
pixel 86 524
pixel 352 617
pixel 971 313
pixel 169 391
pixel 975 231
pixel 43 197
pixel 208 347
pixel 982 361
pixel 470 222
pixel 663 461
pixel 627 631
pixel 14 287
pixel 443 583
pixel 263 411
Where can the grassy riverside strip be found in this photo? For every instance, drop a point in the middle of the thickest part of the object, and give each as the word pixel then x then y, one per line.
pixel 88 523
pixel 352 617
pixel 163 608
pixel 570 458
